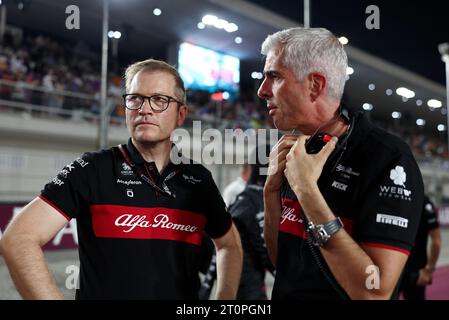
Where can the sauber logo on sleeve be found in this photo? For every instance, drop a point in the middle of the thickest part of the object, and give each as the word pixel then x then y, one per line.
pixel 393 220
pixel 399 191
pixel 110 221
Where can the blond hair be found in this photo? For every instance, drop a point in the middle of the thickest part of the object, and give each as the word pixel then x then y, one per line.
pixel 152 65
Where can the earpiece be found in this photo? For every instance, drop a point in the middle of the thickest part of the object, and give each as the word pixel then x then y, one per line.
pixel 344 113
pixel 317 141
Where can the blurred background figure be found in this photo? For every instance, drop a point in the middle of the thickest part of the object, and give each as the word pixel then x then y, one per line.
pixel 248 215
pixel 237 186
pixel 421 264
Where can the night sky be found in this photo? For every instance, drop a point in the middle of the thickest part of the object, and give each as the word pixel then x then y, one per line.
pixel 409 31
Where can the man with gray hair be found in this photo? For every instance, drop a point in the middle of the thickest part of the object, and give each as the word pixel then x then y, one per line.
pixel 342 200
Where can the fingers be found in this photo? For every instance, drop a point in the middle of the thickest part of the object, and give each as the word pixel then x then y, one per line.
pixel 298 145
pixel 278 162
pixel 276 167
pixel 285 138
pixel 283 143
pixel 328 148
pixel 301 142
pixel 282 147
pixel 279 153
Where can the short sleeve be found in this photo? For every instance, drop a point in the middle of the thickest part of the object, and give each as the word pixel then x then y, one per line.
pixel 70 190
pixel 219 221
pixel 391 208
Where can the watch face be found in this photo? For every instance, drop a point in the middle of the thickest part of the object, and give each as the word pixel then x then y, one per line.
pixel 318 234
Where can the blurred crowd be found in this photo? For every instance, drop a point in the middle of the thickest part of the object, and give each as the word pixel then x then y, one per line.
pixel 423 145
pixel 64 75
pixel 244 111
pixel 44 71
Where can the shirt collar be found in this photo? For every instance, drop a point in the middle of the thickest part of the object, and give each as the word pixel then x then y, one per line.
pixel 135 155
pixel 137 158
pixel 362 126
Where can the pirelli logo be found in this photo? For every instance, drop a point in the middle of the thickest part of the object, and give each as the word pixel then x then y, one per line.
pixel 393 220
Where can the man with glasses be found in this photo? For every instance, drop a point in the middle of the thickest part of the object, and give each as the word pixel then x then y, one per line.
pixel 140 217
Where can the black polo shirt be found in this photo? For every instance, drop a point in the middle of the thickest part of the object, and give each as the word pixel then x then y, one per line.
pixel 429 221
pixel 136 242
pixel 376 189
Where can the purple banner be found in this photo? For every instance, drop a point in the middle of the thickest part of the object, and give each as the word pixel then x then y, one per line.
pixel 443 216
pixel 65 239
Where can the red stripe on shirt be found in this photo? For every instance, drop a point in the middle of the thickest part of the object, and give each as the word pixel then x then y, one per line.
pixel 114 221
pixel 291 220
pixel 381 245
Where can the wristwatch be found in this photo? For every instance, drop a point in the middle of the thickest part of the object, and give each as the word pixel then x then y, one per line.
pixel 321 233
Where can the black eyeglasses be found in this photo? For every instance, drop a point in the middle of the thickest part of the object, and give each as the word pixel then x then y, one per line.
pixel 158 102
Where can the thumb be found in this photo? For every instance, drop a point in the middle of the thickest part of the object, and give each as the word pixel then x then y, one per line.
pixel 328 148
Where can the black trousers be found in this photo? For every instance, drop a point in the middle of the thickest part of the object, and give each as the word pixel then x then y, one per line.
pixel 409 287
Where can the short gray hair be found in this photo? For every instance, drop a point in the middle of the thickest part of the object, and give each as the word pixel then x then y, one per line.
pixel 307 50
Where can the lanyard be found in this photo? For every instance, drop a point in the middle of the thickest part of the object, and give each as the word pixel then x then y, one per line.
pixel 148 179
